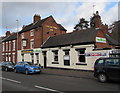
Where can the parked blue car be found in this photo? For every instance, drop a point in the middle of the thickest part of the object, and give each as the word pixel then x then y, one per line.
pixel 27 68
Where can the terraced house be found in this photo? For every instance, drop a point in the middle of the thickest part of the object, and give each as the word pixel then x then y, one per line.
pixel 9 47
pixel 32 36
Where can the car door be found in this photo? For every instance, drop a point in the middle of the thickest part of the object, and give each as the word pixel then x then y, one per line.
pixel 23 67
pixel 19 67
pixel 112 67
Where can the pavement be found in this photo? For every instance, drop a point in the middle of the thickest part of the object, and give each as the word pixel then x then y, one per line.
pixel 69 73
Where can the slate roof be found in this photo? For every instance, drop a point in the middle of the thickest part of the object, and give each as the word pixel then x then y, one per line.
pixel 78 37
pixel 111 41
pixel 38 24
pixel 11 37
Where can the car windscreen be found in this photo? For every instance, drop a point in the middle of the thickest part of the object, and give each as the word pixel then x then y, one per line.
pixel 28 63
pixel 9 63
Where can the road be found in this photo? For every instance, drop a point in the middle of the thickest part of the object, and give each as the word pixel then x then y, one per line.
pixel 53 83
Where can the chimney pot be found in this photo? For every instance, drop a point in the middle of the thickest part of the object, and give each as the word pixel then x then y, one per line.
pixel 36 18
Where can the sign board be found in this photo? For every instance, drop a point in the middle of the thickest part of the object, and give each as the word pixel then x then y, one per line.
pixel 66 57
pixel 27 51
pixel 36 50
pixel 95 54
pixel 100 39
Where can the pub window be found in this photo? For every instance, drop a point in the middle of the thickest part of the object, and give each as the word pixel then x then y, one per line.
pixel 81 55
pixel 55 52
pixel 66 57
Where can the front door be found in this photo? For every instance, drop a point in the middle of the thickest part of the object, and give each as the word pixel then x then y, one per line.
pixel 45 59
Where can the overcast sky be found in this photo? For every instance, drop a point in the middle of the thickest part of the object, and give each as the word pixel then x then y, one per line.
pixel 65 13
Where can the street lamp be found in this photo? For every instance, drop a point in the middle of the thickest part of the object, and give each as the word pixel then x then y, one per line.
pixel 17 37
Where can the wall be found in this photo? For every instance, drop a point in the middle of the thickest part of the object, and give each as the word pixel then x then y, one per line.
pixel 73 57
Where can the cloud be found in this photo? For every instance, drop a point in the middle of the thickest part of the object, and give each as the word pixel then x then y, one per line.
pixel 65 13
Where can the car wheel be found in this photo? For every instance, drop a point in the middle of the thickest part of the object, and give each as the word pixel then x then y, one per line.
pixel 26 72
pixel 102 77
pixel 6 69
pixel 15 70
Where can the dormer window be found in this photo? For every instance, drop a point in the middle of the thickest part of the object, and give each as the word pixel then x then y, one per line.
pixel 22 35
pixel 32 33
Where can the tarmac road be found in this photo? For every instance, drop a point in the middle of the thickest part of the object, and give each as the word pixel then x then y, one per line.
pixel 53 83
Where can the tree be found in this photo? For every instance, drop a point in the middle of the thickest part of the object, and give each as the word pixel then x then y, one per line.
pixel 83 24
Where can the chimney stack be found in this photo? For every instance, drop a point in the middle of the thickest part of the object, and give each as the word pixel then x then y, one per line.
pixel 36 18
pixel 8 33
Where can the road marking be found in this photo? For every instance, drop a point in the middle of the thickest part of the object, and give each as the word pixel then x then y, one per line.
pixel 48 89
pixel 11 80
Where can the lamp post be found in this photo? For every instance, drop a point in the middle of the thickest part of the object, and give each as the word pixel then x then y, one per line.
pixel 17 38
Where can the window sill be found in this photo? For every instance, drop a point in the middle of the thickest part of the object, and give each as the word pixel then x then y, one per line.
pixel 55 63
pixel 81 63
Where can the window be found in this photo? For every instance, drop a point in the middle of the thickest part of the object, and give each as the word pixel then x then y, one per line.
pixel 9 45
pixel 6 46
pixel 3 47
pixel 66 57
pixel 13 45
pixel 32 43
pixel 81 55
pixel 55 52
pixel 100 62
pixel 32 33
pixel 13 58
pixel 112 62
pixel 22 35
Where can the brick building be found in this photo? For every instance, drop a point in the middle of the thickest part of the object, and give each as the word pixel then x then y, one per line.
pixel 32 36
pixel 0 49
pixel 9 47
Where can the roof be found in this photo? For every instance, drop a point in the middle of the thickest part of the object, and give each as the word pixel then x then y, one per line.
pixel 38 24
pixel 79 37
pixel 11 37
pixel 33 25
pixel 111 41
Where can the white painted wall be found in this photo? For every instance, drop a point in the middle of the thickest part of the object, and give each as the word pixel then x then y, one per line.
pixel 73 57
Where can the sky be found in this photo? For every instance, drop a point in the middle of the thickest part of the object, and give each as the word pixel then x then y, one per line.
pixel 64 12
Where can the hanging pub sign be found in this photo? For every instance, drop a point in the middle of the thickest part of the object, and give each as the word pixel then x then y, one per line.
pixel 27 51
pixel 100 40
pixel 95 54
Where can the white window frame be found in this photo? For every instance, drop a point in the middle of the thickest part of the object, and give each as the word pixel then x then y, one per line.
pixel 9 45
pixel 32 33
pixel 14 45
pixel 6 46
pixel 22 36
pixel 3 46
pixel 32 43
pixel 13 57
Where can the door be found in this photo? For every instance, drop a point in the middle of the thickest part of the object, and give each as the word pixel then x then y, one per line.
pixel 45 59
